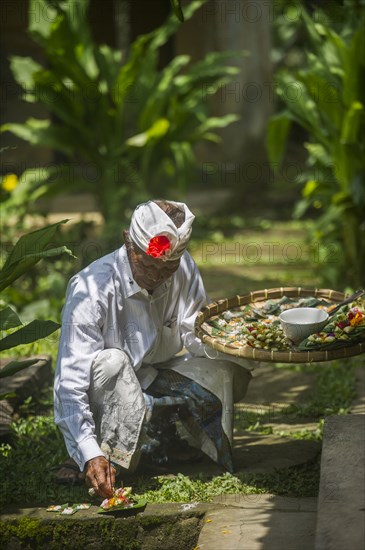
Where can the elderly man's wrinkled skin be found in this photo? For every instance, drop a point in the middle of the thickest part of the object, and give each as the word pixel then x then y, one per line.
pixel 98 477
pixel 147 271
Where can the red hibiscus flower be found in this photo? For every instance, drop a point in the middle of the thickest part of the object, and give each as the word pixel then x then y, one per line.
pixel 157 246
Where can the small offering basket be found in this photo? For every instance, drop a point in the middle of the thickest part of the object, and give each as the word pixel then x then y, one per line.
pixel 258 299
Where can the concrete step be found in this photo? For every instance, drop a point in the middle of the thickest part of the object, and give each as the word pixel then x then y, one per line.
pixel 341 501
pixel 259 522
pixel 157 526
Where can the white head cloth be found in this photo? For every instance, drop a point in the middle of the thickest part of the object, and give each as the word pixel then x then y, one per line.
pixel 149 220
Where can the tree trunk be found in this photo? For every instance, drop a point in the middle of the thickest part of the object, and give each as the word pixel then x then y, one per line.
pixel 222 25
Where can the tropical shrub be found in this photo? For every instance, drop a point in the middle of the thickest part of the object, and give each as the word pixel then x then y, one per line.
pixel 28 250
pixel 126 127
pixel 329 104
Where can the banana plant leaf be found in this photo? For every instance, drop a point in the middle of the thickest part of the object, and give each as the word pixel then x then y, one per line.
pixel 9 319
pixel 28 250
pixel 14 367
pixel 35 330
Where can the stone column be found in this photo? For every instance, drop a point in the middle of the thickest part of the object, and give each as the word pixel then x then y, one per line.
pixel 222 25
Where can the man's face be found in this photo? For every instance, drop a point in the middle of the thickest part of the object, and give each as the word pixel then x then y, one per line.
pixel 147 271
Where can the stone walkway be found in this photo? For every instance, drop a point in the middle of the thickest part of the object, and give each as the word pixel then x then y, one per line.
pixel 269 522
pixel 271 391
pixel 257 522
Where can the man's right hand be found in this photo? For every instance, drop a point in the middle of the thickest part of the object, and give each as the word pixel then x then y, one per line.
pixel 98 476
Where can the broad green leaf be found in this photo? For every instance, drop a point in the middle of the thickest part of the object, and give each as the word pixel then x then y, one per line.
pixel 76 13
pixel 159 98
pixel 28 250
pixel 217 122
pixel 343 165
pixel 9 319
pixel 312 28
pixel 276 137
pixel 86 58
pixel 211 136
pixel 319 154
pixel 309 189
pixel 35 330
pixel 16 366
pixel 23 69
pixel 7 395
pixel 353 122
pixel 176 6
pixel 130 72
pixel 353 82
pixel 325 94
pixel 43 132
pixel 183 155
pixel 161 35
pixel 36 183
pixel 108 61
pixel 300 105
pixel 158 129
pixel 42 17
pixel 9 275
pixel 339 43
pixel 341 199
pixel 32 243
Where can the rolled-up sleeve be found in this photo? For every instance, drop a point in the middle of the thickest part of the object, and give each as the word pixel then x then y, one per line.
pixel 80 342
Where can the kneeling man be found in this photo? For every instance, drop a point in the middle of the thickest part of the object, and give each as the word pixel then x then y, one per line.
pixel 126 317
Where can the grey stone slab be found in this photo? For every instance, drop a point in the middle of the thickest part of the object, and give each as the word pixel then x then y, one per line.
pixel 341 501
pixel 157 526
pixel 268 502
pixel 255 453
pixel 259 453
pixel 24 382
pixel 280 387
pixel 170 509
pixel 269 523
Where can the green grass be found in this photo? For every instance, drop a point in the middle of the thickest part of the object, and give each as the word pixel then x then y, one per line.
pixel 30 461
pixel 269 254
pixel 296 481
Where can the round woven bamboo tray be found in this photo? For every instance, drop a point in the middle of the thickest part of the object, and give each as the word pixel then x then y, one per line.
pixel 287 356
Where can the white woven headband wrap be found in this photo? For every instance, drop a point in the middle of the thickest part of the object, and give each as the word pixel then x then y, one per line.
pixel 154 232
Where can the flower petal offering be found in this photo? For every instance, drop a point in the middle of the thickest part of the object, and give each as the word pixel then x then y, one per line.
pixel 346 327
pixel 122 499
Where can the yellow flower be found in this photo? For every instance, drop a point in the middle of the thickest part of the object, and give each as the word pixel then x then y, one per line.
pixel 357 320
pixel 10 181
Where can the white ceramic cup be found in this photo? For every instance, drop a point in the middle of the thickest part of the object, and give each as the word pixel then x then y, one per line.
pixel 300 322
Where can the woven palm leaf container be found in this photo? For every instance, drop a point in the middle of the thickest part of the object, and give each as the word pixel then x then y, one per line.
pixel 260 297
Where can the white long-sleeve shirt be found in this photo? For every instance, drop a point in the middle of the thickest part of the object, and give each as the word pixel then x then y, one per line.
pixel 106 308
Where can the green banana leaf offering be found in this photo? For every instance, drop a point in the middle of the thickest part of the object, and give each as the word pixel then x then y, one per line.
pixel 258 326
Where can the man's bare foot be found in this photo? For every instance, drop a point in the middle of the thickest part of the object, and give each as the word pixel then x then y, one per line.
pixel 69 474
